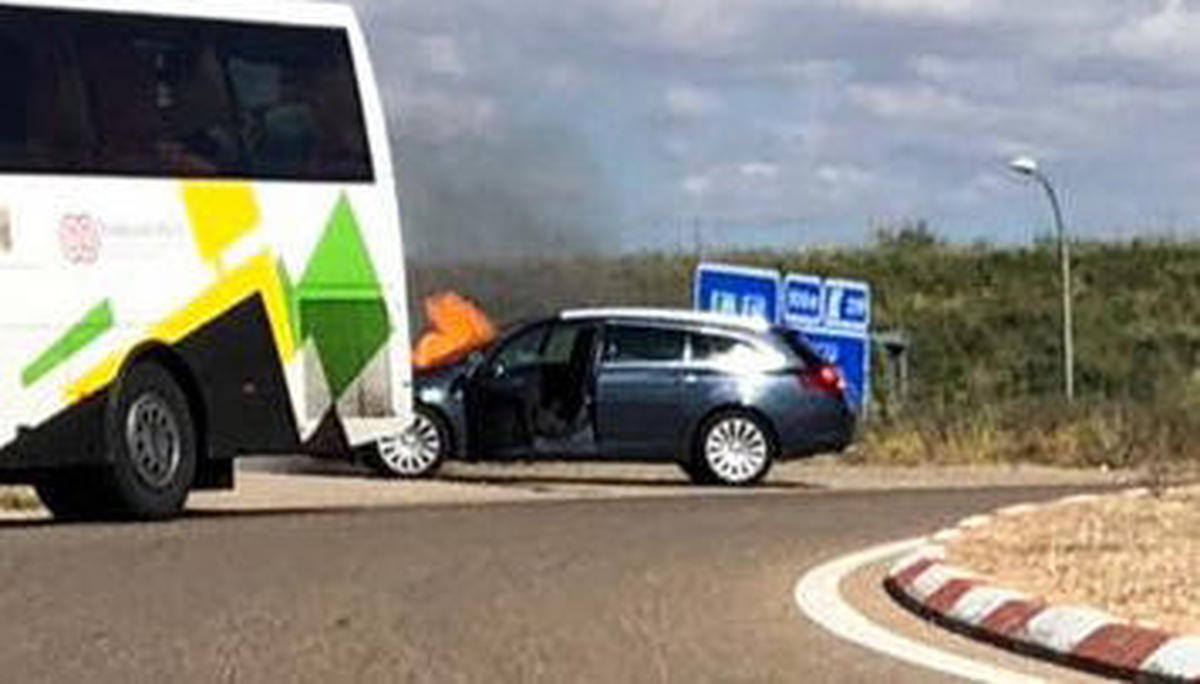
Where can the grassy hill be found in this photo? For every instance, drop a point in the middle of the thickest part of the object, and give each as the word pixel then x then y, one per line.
pixel 984 322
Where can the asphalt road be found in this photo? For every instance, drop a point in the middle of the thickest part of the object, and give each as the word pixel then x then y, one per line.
pixel 679 589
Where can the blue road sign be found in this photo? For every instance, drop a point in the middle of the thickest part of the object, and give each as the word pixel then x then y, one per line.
pixel 847 305
pixel 738 290
pixel 843 334
pixel 803 301
pixel 851 354
pixel 834 314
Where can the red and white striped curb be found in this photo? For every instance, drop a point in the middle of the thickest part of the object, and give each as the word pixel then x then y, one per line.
pixel 1075 635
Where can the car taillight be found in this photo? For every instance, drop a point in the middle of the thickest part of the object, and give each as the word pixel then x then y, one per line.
pixel 825 378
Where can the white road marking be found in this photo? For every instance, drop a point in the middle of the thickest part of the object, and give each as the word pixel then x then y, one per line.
pixel 818 594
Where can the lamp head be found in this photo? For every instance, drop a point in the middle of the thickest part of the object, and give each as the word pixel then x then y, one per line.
pixel 1026 166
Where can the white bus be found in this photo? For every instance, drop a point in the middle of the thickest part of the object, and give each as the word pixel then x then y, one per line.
pixel 200 248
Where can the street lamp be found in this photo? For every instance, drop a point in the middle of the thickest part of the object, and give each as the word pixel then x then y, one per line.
pixel 1028 167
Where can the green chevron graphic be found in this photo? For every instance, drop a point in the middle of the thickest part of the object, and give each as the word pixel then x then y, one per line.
pixel 94 324
pixel 341 301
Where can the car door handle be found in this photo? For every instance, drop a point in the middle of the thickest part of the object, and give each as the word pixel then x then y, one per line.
pixel 691 379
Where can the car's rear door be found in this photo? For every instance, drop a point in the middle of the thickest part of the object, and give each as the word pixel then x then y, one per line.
pixel 638 390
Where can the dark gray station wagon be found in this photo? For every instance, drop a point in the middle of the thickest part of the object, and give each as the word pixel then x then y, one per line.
pixel 722 397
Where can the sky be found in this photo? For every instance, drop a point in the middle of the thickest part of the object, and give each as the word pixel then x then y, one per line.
pixel 534 127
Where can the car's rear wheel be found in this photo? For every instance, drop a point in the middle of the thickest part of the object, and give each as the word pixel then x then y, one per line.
pixel 415 453
pixel 734 448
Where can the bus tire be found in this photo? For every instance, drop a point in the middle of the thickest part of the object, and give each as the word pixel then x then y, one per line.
pixel 152 444
pixel 74 494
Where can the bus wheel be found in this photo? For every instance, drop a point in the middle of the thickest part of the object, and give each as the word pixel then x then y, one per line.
pixel 74 494
pixel 152 444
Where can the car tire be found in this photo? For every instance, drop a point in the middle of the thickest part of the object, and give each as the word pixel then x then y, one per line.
pixel 733 448
pixel 696 472
pixel 416 453
pixel 152 445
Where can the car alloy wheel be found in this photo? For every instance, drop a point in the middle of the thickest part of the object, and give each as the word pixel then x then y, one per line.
pixel 736 449
pixel 417 451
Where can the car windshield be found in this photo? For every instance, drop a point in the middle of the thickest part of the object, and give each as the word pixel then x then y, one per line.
pixel 799 345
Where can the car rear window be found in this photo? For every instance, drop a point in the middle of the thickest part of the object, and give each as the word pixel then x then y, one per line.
pixel 642 343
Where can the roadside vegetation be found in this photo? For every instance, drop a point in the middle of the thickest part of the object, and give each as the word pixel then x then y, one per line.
pixel 984 324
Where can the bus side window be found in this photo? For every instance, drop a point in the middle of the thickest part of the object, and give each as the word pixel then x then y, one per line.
pixel 157 100
pixel 40 125
pixel 297 96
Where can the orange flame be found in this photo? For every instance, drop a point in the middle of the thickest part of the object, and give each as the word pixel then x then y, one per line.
pixel 458 328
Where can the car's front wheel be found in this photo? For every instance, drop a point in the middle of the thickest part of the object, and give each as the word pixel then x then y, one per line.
pixel 732 448
pixel 417 452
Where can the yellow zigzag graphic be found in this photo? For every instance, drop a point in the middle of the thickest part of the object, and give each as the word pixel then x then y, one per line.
pixel 260 275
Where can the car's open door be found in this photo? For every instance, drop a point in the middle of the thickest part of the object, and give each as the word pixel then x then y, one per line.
pixel 564 417
pixel 503 393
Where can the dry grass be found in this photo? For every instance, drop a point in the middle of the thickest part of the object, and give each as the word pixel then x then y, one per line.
pixel 1133 557
pixel 18 499
pixel 1153 436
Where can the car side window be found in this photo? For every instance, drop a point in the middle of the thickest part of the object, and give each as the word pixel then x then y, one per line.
pixel 633 344
pixel 560 345
pixel 524 349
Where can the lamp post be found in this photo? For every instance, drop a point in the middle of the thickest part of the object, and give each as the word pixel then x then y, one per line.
pixel 1028 167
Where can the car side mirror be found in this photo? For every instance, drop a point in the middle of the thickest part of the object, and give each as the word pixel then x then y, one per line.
pixel 475 359
pixel 472 363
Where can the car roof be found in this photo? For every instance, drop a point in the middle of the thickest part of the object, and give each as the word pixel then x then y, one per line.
pixel 670 316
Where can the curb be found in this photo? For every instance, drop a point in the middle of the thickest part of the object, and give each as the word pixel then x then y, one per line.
pixel 1076 636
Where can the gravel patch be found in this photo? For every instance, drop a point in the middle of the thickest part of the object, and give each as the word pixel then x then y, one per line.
pixel 1133 556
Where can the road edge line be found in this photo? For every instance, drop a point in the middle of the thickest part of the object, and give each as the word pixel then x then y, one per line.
pixel 818 596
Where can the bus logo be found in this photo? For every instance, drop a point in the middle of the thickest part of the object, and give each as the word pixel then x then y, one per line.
pixel 79 235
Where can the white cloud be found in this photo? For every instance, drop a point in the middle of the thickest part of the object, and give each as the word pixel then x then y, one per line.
pixel 564 78
pixel 697 185
pixel 942 9
pixel 688 102
pixel 696 26
pixel 442 56
pixel 920 101
pixel 936 68
pixel 818 71
pixel 845 176
pixel 441 117
pixel 1168 34
pixel 760 170
pixel 861 106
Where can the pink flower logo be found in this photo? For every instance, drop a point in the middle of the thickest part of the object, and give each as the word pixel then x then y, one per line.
pixel 79 235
